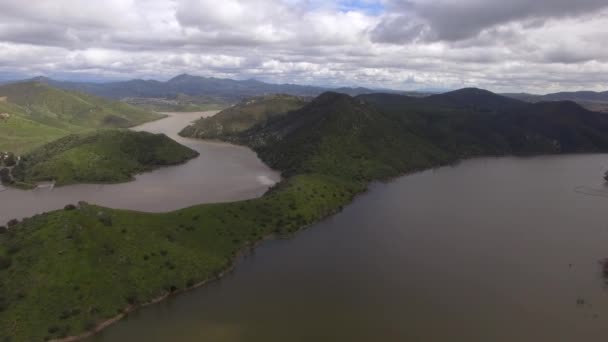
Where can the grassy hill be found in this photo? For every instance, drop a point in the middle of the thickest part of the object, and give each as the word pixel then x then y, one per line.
pixel 243 116
pixel 20 134
pixel 65 272
pixel 40 113
pixel 106 156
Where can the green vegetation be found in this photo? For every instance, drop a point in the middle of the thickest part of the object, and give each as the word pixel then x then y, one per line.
pixel 179 103
pixel 63 273
pixel 243 116
pixel 38 113
pixel 105 156
pixel 20 134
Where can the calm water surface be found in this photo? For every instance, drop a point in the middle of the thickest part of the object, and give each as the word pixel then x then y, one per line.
pixel 222 172
pixel 489 250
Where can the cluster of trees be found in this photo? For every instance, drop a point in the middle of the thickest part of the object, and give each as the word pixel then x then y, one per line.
pixel 8 159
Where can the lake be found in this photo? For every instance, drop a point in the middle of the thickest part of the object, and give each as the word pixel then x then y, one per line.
pixel 222 173
pixel 493 249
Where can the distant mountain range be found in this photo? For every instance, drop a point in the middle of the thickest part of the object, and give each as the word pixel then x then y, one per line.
pixel 219 88
pixel 575 96
pixel 188 92
pixel 596 101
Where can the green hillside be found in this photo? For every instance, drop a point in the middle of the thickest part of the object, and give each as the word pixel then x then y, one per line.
pixel 243 116
pixel 40 113
pixel 105 156
pixel 18 134
pixel 65 272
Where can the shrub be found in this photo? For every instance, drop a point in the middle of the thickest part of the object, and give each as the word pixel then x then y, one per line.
pixel 105 220
pixel 13 222
pixel 5 176
pixel 5 262
pixel 132 299
pixel 10 160
pixel 3 230
pixel 69 207
pixel 89 325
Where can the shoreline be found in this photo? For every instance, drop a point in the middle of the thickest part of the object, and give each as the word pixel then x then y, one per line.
pixel 133 308
pixel 249 247
pixel 242 253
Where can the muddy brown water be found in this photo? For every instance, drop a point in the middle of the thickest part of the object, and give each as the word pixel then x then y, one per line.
pixel 221 173
pixel 497 249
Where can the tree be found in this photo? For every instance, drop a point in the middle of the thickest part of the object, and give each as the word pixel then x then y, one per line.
pixel 10 159
pixel 606 176
pixel 5 176
pixel 5 262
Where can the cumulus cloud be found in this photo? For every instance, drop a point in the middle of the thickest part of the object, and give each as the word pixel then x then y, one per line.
pixel 539 46
pixel 453 20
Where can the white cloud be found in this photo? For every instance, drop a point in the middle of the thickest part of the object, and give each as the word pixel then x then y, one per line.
pixel 539 46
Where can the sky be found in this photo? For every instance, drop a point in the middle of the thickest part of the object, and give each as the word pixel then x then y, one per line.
pixel 538 46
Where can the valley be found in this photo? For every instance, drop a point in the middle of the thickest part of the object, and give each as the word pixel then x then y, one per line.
pixel 329 150
pixel 303 171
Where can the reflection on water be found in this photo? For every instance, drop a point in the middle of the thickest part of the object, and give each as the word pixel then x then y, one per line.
pixel 222 172
pixel 497 250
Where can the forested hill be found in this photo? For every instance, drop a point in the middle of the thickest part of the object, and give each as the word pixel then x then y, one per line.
pixel 381 135
pixel 103 156
pixel 244 116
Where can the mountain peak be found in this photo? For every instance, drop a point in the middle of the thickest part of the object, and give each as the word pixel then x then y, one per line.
pixel 471 91
pixel 475 97
pixel 41 79
pixel 182 77
pixel 329 96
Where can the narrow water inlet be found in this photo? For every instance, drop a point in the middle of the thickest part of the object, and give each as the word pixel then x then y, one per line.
pixel 221 173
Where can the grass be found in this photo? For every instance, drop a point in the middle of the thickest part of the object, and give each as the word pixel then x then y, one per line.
pixel 106 156
pixel 20 135
pixel 40 113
